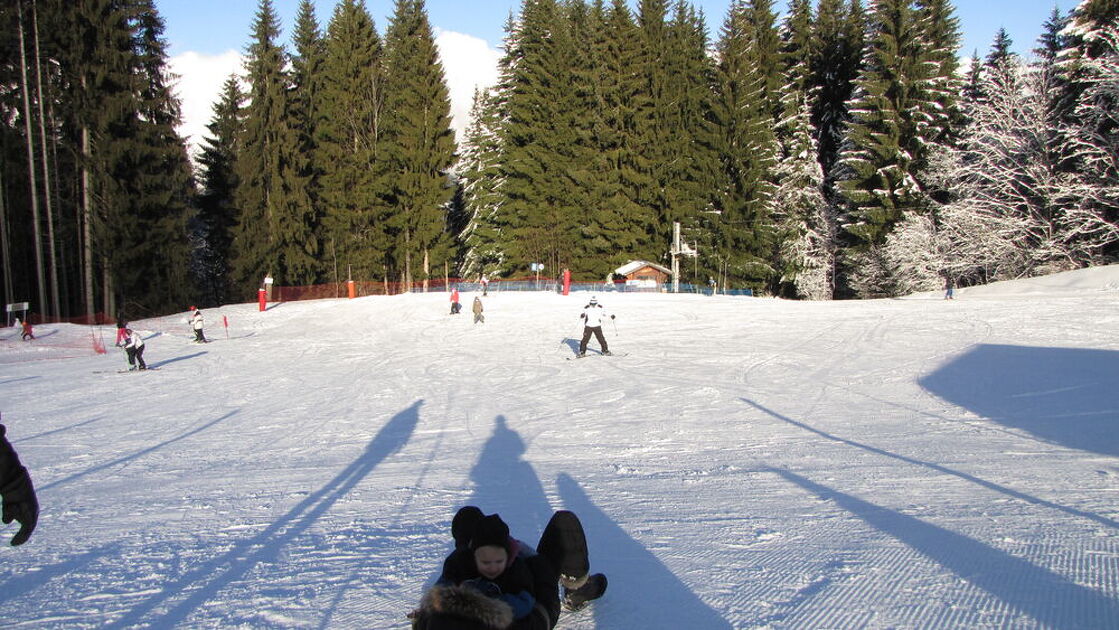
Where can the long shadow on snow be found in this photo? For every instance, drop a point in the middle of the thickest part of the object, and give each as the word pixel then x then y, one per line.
pixel 1066 396
pixel 206 581
pixel 61 430
pixel 137 455
pixel 177 359
pixel 1051 599
pixel 643 592
pixel 19 379
pixel 1010 492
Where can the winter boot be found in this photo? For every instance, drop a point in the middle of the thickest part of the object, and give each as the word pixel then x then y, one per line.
pixel 565 546
pixel 576 599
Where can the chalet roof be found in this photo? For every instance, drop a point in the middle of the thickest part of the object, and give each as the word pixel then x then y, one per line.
pixel 634 265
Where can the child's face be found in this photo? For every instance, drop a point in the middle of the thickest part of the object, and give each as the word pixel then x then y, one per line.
pixel 490 561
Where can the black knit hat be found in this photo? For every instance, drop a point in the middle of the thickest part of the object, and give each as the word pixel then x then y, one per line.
pixel 490 530
pixel 462 526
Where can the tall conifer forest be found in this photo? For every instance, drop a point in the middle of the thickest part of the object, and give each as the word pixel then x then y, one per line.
pixel 816 150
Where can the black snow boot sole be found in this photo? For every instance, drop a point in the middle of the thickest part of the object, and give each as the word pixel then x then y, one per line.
pixel 565 545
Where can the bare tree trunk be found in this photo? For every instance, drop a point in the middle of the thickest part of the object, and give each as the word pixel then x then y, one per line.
pixel 56 307
pixel 106 288
pixel 5 253
pixel 34 184
pixel 427 270
pixel 87 220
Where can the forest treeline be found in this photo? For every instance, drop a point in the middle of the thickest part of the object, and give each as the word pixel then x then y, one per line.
pixel 842 150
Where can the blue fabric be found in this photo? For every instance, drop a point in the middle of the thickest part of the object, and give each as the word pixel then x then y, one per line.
pixel 522 603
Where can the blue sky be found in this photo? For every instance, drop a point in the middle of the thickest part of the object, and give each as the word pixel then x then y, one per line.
pixel 215 26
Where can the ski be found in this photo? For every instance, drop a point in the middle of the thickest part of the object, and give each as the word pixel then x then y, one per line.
pixel 151 369
pixel 612 354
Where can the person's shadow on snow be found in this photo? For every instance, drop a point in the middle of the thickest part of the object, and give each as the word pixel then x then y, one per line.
pixel 507 484
pixel 207 580
pixel 643 591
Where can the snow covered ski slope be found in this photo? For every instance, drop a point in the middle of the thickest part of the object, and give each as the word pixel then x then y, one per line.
pixel 752 463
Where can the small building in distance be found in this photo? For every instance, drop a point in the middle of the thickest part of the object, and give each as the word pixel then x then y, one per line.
pixel 641 275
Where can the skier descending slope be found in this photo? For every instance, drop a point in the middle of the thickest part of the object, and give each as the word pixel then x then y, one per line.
pixel 593 316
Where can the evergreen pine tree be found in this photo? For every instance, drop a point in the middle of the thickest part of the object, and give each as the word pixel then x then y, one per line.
pixel 547 191
pixel 836 60
pixel 420 144
pixel 353 186
pixel 693 164
pixel 805 223
pixel 275 232
pixel 217 214
pixel 742 236
pixel 888 137
pixel 304 107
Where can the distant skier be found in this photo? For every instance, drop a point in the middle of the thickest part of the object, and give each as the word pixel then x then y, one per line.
pixel 485 285
pixel 949 288
pixel 122 326
pixel 477 308
pixel 456 307
pixel 593 316
pixel 134 347
pixel 197 323
pixel 27 334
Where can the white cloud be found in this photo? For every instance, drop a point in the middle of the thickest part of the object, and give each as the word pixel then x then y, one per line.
pixel 200 78
pixel 468 63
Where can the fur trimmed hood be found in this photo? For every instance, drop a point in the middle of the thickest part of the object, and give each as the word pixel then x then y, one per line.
pixel 467 603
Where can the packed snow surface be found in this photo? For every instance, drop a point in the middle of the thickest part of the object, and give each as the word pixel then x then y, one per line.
pixel 739 462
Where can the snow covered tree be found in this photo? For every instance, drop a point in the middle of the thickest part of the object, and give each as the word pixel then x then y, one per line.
pixel 1017 210
pixel 805 223
pixel 479 167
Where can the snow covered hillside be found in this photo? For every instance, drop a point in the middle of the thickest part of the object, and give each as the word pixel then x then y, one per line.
pixel 740 463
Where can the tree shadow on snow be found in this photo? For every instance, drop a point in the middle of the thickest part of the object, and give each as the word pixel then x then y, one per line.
pixel 28 438
pixel 207 580
pixel 1065 396
pixel 1053 600
pixel 1010 492
pixel 643 592
pixel 137 455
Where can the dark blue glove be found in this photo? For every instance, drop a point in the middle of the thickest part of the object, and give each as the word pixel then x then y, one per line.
pixel 483 586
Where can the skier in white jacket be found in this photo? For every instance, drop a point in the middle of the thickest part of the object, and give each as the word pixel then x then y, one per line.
pixel 593 316
pixel 196 322
pixel 134 347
